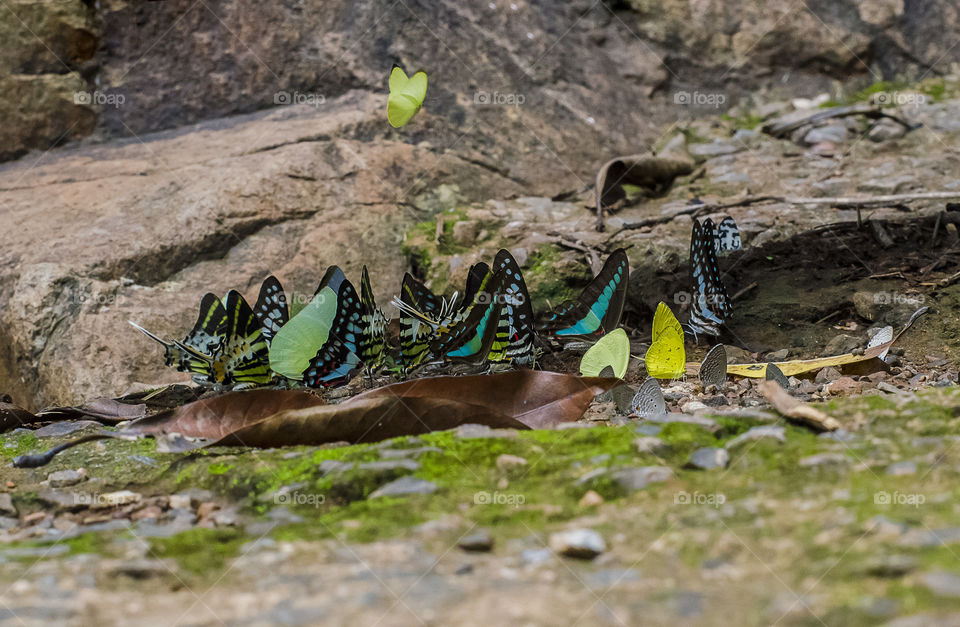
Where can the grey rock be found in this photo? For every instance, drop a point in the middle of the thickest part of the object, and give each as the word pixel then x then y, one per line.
pixel 833 133
pixel 840 435
pixel 753 434
pixel 7 507
pixel 8 522
pixel 480 541
pixel 942 583
pixel 651 445
pixel 888 184
pixel 471 431
pixel 715 148
pixel 902 468
pixel 780 355
pixel 633 479
pixel 394 453
pixel 333 466
pixel 197 496
pixel 465 232
pixel 389 466
pixel 926 619
pixel 649 429
pixel 535 557
pixel 606 579
pixel 891 566
pixel 841 344
pixel 66 427
pixel 931 537
pixel 405 486
pixel 701 421
pixel 709 458
pixel 65 478
pixel 578 543
pixel 825 460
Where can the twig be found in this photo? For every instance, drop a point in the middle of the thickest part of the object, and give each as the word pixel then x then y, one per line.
pixel 827 317
pixel 784 125
pixel 743 291
pixel 796 410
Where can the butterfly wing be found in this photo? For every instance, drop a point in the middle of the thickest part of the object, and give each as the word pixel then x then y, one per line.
pixel 372 339
pixel 713 369
pixel 406 96
pixel 469 340
pixel 649 401
pixel 271 308
pixel 666 358
pixel 415 334
pixel 711 304
pixel 514 339
pixel 599 307
pixel 611 351
pixel 728 235
pixel 204 342
pixel 245 357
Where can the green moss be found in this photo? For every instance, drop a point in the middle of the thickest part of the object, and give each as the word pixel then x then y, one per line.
pixel 15 445
pixel 200 551
pixel 549 288
pixel 745 120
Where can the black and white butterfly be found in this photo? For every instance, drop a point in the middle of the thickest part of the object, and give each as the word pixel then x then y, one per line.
pixel 710 303
pixel 271 309
pixel 728 236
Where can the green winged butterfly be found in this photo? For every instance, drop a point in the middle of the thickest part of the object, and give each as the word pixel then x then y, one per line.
pixel 406 96
pixel 321 345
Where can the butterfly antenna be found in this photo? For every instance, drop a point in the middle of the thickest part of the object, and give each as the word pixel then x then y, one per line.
pixel 153 337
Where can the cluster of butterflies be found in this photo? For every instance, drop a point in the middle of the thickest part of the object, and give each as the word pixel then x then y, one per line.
pixel 342 332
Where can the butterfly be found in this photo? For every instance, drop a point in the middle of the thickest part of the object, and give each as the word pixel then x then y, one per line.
pixel 598 308
pixel 727 236
pixel 321 345
pixel 773 373
pixel 649 401
pixel 244 360
pixel 207 337
pixel 406 96
pixel 711 305
pixel 474 328
pixel 665 358
pixel 372 340
pixel 611 351
pixel 514 340
pixel 415 334
pixel 271 308
pixel 713 369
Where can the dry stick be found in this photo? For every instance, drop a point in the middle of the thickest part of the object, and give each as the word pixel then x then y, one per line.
pixel 743 291
pixel 841 202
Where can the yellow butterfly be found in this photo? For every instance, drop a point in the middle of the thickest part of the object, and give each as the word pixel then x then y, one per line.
pixel 666 358
pixel 406 96
pixel 613 349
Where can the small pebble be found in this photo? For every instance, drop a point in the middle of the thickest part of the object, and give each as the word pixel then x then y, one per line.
pixel 578 543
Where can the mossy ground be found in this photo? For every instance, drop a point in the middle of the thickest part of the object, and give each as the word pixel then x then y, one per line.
pixel 806 524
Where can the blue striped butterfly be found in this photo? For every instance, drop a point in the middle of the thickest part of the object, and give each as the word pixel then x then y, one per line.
pixel 710 303
pixel 598 309
pixel 471 332
pixel 514 340
pixel 207 337
pixel 320 346
pixel 271 309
